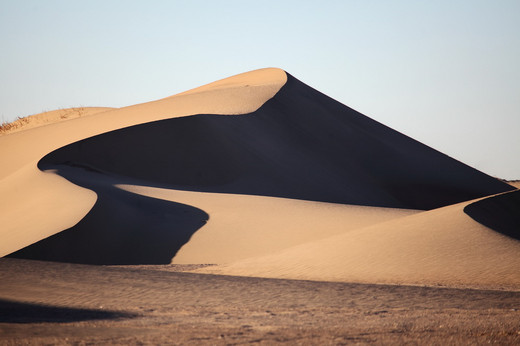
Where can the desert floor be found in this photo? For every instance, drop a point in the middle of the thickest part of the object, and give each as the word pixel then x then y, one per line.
pixel 59 303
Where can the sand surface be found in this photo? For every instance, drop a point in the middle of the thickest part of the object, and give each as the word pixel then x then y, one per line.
pixel 443 247
pixel 515 183
pixel 75 303
pixel 237 231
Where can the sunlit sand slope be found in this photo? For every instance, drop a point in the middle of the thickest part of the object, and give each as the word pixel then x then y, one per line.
pixel 242 226
pixel 439 247
pixel 143 225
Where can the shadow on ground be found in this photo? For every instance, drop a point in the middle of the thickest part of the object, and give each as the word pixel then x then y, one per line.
pixel 16 312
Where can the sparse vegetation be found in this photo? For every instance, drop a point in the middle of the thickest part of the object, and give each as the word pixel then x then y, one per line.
pixel 72 112
pixel 9 126
pixel 41 119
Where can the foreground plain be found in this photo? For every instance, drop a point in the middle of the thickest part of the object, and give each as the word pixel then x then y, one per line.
pixel 73 303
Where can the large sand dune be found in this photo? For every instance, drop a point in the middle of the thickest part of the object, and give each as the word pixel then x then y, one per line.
pixel 300 144
pixel 263 175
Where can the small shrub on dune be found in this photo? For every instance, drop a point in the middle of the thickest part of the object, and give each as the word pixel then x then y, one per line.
pixel 9 126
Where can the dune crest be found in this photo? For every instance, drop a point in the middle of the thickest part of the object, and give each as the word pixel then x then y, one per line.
pixel 51 117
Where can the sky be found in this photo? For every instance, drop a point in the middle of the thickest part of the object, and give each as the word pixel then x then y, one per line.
pixel 446 73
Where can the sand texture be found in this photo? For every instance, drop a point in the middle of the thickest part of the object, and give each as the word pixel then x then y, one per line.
pixel 81 304
pixel 264 192
pixel 442 247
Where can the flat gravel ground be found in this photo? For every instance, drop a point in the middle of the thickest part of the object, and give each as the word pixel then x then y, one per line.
pixel 59 303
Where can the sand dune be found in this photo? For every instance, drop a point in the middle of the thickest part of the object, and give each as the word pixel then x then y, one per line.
pixel 17 149
pixel 440 247
pixel 300 144
pixel 264 175
pixel 242 226
pixel 35 205
pixel 26 148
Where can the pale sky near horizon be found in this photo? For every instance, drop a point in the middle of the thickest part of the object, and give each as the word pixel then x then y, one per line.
pixel 446 73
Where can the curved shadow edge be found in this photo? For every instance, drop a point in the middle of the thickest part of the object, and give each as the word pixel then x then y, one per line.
pixel 121 228
pixel 500 213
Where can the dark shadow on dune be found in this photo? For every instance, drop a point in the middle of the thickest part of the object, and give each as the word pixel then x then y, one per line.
pixel 16 312
pixel 300 144
pixel 121 228
pixel 500 213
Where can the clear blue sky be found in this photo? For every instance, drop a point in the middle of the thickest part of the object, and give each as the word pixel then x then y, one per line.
pixel 446 73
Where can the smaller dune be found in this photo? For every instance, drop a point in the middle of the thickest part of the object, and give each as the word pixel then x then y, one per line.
pixel 441 247
pixel 242 226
